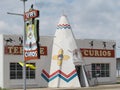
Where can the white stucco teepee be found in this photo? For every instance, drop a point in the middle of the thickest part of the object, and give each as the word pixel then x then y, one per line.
pixel 64 53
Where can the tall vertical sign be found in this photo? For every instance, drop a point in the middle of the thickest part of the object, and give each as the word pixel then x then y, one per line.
pixel 31 45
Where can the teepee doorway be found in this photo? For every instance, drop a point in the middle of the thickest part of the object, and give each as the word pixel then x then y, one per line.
pixel 80 75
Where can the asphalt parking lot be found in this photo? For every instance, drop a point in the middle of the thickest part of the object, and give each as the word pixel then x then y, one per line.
pixel 98 87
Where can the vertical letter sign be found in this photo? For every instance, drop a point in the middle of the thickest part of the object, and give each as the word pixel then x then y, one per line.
pixel 31 44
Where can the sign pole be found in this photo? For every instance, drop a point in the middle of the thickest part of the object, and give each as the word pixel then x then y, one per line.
pixel 34 15
pixel 29 38
pixel 24 68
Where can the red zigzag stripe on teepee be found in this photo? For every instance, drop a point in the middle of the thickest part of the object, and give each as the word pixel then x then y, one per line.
pixel 63 25
pixel 58 72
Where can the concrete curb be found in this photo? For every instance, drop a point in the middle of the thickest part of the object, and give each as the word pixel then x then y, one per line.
pixel 99 87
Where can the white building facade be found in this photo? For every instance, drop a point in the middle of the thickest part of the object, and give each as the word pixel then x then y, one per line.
pixel 12 72
pixel 98 55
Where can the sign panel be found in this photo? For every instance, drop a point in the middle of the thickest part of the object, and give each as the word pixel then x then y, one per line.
pixel 97 53
pixel 31 14
pixel 31 45
pixel 13 50
pixel 18 50
pixel 31 40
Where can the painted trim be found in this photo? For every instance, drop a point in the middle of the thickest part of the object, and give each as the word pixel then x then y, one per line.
pixel 60 74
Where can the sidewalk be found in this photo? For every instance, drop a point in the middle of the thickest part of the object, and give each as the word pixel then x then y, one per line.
pixel 99 87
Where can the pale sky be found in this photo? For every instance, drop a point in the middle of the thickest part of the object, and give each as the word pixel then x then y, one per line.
pixel 89 19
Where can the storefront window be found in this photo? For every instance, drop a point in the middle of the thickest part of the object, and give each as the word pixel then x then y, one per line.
pixel 16 71
pixel 30 73
pixel 100 70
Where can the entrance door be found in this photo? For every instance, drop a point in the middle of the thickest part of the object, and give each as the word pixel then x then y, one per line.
pixel 78 68
pixel 80 75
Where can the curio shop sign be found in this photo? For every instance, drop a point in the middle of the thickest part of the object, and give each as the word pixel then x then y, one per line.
pixel 97 52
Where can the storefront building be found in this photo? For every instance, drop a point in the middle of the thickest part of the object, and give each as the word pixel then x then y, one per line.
pixel 64 61
pixel 98 55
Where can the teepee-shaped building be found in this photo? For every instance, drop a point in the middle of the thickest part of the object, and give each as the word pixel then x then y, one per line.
pixel 65 53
